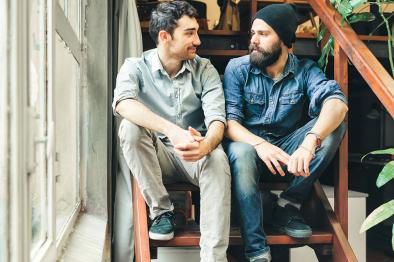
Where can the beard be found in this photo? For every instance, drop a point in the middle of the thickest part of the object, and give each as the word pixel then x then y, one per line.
pixel 262 58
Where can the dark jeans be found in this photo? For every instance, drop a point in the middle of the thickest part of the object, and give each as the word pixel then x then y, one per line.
pixel 247 168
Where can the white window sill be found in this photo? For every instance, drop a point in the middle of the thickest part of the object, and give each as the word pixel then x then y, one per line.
pixel 87 242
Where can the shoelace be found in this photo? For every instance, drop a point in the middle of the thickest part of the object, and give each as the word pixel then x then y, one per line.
pixel 159 218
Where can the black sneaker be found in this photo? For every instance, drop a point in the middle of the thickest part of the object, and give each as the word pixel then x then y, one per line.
pixel 289 220
pixel 162 227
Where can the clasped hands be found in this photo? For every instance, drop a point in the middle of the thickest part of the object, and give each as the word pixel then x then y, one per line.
pixel 297 163
pixel 189 144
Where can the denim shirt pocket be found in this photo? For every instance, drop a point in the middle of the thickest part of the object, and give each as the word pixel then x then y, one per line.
pixel 254 105
pixel 291 98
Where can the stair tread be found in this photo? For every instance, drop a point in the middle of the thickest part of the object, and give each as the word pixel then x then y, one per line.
pixel 190 236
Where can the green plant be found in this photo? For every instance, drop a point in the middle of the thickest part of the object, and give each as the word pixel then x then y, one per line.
pixel 346 9
pixel 386 210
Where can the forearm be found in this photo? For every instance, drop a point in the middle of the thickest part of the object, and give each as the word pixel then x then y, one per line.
pixel 236 132
pixel 331 116
pixel 139 114
pixel 214 135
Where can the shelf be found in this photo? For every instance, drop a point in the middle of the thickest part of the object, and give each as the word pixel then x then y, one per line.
pixel 220 52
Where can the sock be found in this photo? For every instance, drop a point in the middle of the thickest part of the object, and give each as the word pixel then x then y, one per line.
pixel 283 202
pixel 266 255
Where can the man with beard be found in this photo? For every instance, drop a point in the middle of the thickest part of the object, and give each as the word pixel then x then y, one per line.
pixel 173 107
pixel 266 92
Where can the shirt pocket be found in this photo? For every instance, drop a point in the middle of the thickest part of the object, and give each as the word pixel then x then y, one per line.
pixel 291 98
pixel 254 105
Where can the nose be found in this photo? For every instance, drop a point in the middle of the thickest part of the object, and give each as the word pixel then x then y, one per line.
pixel 196 40
pixel 254 39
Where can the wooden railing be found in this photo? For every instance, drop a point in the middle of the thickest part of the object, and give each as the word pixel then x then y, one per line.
pixel 349 46
pixel 380 81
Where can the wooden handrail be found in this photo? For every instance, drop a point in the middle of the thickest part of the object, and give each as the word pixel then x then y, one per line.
pixel 380 81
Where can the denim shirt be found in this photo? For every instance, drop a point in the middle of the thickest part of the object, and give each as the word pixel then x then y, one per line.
pixel 275 108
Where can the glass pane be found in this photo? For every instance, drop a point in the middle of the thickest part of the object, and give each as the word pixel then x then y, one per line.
pixel 71 9
pixel 62 3
pixel 36 100
pixel 73 15
pixel 3 133
pixel 66 107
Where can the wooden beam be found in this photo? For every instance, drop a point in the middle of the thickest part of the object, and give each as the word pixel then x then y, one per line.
pixel 342 251
pixel 141 237
pixel 341 177
pixel 380 81
pixel 253 10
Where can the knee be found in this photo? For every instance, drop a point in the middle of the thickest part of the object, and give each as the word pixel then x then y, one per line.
pixel 241 152
pixel 129 133
pixel 219 161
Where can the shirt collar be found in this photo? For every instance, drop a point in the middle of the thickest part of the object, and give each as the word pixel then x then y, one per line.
pixel 289 67
pixel 157 65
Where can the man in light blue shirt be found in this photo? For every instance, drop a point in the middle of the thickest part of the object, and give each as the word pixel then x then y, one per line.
pixel 172 103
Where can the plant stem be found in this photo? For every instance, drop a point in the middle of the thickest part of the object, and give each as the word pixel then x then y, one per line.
pixel 389 45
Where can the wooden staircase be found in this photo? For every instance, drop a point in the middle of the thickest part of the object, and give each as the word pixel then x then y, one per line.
pixel 325 232
pixel 330 230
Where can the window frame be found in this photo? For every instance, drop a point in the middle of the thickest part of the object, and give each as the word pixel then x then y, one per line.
pixel 16 151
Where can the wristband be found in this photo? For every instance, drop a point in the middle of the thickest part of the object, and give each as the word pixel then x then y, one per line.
pixel 318 138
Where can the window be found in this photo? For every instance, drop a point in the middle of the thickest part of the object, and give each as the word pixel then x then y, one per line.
pixel 3 134
pixel 37 177
pixel 40 80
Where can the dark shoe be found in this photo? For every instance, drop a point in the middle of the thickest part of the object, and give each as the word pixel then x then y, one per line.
pixel 162 227
pixel 289 220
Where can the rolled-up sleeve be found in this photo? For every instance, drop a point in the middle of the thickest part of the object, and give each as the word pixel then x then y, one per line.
pixel 320 89
pixel 127 85
pixel 212 97
pixel 233 93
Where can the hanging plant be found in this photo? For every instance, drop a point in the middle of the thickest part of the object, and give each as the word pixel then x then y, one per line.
pixel 386 210
pixel 346 9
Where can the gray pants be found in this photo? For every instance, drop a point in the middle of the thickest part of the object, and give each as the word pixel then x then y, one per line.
pixel 153 163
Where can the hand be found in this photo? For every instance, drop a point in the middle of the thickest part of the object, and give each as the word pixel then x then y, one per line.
pixel 179 136
pixel 196 135
pixel 272 155
pixel 301 158
pixel 193 151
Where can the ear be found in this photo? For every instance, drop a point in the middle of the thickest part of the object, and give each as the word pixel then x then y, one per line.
pixel 164 37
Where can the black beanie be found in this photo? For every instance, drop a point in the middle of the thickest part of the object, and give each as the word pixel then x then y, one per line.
pixel 282 18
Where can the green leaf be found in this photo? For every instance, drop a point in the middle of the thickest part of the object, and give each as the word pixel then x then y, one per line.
pixel 386 174
pixel 392 238
pixel 345 8
pixel 322 32
pixel 388 151
pixel 326 51
pixel 378 215
pixel 361 17
pixel 357 3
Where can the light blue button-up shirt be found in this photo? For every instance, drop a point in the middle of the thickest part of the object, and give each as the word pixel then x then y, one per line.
pixel 194 97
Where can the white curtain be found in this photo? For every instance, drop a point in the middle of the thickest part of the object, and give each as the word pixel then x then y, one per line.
pixel 129 45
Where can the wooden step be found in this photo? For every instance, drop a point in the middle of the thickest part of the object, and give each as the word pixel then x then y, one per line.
pixel 190 236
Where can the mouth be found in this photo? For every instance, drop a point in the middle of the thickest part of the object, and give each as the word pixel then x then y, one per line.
pixel 192 49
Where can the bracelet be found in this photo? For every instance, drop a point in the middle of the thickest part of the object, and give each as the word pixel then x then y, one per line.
pixel 313 154
pixel 259 143
pixel 318 138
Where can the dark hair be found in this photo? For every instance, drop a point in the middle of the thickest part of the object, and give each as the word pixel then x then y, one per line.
pixel 166 15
